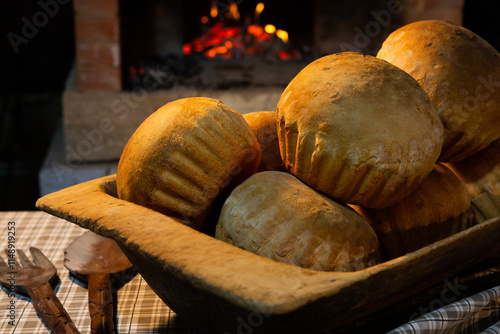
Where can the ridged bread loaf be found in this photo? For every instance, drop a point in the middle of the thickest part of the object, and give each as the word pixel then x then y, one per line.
pixel 438 208
pixel 358 129
pixel 481 174
pixel 184 156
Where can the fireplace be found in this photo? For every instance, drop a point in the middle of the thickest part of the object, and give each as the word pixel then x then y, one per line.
pixel 216 45
pixel 133 57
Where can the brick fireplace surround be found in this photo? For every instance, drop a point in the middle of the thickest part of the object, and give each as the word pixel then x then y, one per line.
pixel 99 115
pixel 97 37
pixel 97 29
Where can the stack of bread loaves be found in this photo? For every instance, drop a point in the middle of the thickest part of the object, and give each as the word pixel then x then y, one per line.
pixel 350 167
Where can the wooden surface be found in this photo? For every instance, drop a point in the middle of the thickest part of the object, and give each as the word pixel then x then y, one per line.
pixel 97 257
pixel 93 254
pixel 197 275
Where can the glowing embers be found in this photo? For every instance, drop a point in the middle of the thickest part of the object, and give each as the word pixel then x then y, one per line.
pixel 227 36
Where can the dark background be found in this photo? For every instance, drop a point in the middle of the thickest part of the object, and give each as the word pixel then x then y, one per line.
pixel 32 81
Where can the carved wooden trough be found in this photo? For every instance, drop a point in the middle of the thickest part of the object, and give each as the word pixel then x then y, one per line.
pixel 222 288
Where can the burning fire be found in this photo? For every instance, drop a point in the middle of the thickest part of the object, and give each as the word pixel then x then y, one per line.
pixel 233 38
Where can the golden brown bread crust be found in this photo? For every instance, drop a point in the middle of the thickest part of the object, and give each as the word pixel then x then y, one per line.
pixel 461 73
pixel 438 208
pixel 358 129
pixel 184 155
pixel 481 174
pixel 275 215
pixel 263 125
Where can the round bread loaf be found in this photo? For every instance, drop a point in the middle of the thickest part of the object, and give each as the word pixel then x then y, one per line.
pixel 275 215
pixel 481 174
pixel 358 129
pixel 438 208
pixel 263 125
pixel 461 73
pixel 184 155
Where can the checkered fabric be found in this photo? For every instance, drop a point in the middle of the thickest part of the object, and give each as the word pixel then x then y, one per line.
pixel 139 310
pixel 463 316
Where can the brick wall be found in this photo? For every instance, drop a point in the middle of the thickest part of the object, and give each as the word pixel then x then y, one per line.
pixel 97 38
pixel 97 32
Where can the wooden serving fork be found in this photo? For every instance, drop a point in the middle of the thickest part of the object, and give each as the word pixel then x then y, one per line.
pixel 33 279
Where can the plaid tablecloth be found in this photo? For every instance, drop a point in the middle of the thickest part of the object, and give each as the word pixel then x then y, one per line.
pixel 463 316
pixel 467 303
pixel 139 310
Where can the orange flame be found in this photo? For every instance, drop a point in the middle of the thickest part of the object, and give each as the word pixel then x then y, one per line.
pixel 258 9
pixel 213 10
pixel 227 38
pixel 270 29
pixel 255 30
pixel 283 35
pixel 233 12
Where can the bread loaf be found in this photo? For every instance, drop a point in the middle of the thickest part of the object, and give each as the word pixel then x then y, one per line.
pixel 275 215
pixel 263 125
pixel 184 155
pixel 358 129
pixel 481 174
pixel 461 73
pixel 437 209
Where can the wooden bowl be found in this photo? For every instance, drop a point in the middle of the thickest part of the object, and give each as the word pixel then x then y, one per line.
pixel 220 287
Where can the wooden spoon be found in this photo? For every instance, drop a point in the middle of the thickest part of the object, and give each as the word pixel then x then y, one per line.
pixel 97 257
